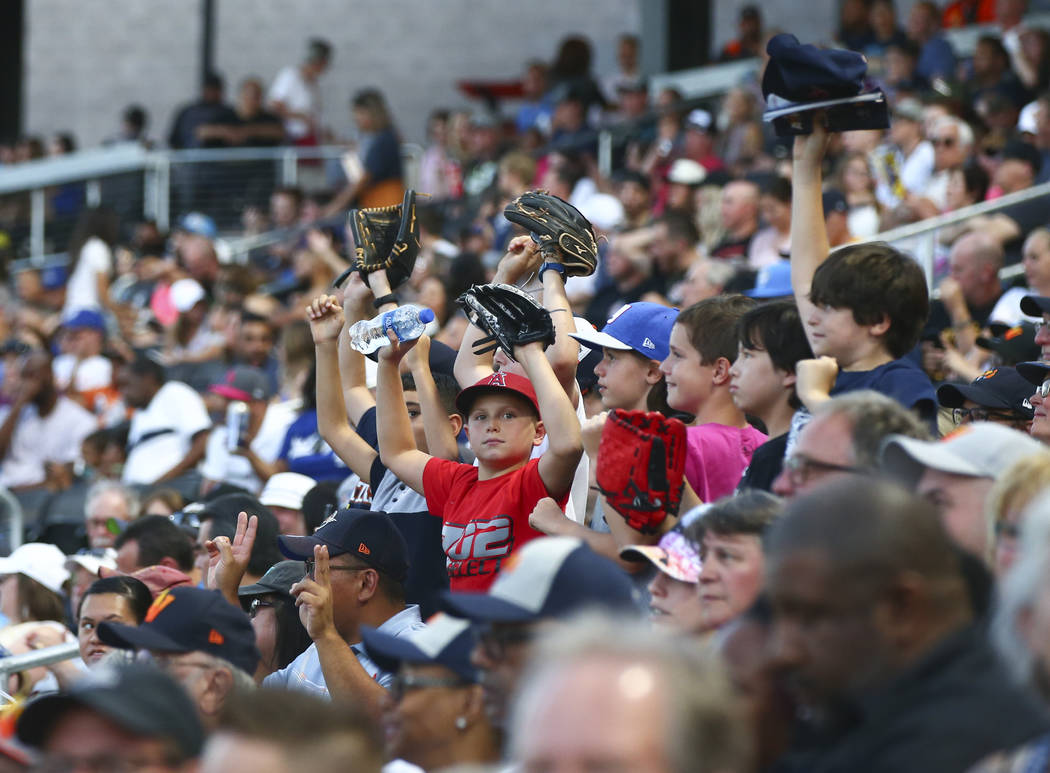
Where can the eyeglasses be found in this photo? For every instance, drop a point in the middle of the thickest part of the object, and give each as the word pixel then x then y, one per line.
pixel 945 141
pixel 800 468
pixel 1043 389
pixel 402 683
pixel 1007 530
pixel 257 604
pixel 966 415
pixel 310 563
pixel 494 640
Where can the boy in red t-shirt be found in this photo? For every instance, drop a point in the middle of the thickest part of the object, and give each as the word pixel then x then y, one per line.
pixel 485 509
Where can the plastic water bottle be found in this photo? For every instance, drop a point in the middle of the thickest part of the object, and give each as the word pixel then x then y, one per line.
pixel 408 323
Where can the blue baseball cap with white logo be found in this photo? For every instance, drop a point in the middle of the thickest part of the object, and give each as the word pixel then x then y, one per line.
pixel 641 327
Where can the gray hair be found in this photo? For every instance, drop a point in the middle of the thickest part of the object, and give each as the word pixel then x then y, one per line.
pixel 105 486
pixel 707 730
pixel 963 130
pixel 1019 591
pixel 873 417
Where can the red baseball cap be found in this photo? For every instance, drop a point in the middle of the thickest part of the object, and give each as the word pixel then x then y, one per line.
pixel 497 382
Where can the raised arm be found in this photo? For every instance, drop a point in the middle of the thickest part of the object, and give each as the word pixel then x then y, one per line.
pixel 326 324
pixel 397 447
pixel 439 431
pixel 809 236
pixel 564 441
pixel 357 397
pixel 521 259
pixel 563 355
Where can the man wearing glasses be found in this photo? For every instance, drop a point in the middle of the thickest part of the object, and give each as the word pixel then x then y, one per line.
pixel 844 437
pixel 1000 395
pixel 198 637
pixel 356 566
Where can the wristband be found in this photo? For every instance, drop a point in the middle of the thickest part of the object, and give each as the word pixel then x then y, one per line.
pixel 552 266
pixel 383 300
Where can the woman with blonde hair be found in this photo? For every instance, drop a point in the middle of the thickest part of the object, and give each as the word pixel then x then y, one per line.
pixel 1012 493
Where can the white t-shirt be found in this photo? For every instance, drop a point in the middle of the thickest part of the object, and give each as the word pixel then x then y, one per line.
pixel 82 288
pixel 1007 309
pixel 161 433
pixel 298 96
pixel 220 465
pixel 93 373
pixel 38 439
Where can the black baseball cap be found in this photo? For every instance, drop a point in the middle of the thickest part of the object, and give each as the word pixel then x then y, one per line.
pixel 1002 388
pixel 368 535
pixel 279 578
pixel 1035 305
pixel 834 201
pixel 137 697
pixel 189 619
pixel 1013 344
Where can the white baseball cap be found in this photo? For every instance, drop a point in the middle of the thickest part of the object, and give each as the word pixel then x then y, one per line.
pixel 286 489
pixel 185 294
pixel 92 561
pixel 39 561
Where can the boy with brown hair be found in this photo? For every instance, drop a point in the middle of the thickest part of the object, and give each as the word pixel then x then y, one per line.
pixel 485 509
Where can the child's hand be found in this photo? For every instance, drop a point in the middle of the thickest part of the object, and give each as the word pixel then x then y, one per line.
pixel 548 517
pixel 809 148
pixel 357 298
pixel 592 433
pixel 397 349
pixel 326 319
pixel 420 353
pixel 814 380
pixel 522 258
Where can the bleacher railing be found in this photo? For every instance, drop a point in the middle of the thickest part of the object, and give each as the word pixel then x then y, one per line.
pixel 40 200
pixel 922 239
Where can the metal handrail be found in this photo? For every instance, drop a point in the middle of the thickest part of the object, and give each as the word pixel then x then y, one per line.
pixel 15 517
pixel 13 664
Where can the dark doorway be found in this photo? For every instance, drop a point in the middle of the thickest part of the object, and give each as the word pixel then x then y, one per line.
pixel 12 35
pixel 688 33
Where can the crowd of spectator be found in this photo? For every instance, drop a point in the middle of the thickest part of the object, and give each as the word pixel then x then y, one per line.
pixel 268 549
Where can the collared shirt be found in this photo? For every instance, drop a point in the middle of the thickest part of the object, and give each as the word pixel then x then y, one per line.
pixel 304 673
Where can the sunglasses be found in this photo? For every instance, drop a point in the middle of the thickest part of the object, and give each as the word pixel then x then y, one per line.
pixel 1043 389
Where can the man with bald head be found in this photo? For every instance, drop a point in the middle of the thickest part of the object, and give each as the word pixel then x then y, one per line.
pixel 739 218
pixel 874 631
pixel 972 295
pixel 40 430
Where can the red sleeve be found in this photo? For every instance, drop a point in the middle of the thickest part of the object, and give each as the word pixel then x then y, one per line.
pixel 439 476
pixel 532 487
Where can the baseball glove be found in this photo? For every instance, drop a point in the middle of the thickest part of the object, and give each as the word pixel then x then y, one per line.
pixel 386 237
pixel 563 234
pixel 641 467
pixel 509 316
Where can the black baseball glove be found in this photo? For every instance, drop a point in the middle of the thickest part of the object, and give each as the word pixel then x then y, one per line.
pixel 563 234
pixel 509 316
pixel 386 237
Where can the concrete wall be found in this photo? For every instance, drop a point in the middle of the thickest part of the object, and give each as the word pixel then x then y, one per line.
pixel 85 61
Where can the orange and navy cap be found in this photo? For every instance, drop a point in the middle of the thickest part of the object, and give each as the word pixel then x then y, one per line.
pixel 190 619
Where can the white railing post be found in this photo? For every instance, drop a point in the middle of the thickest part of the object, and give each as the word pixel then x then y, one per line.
pixel 289 167
pixel 37 214
pixel 163 193
pixel 93 193
pixel 605 146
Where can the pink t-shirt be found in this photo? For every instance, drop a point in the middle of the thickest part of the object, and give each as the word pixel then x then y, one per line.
pixel 717 456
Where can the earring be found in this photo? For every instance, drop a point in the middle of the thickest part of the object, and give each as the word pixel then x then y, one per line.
pixel 461 723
